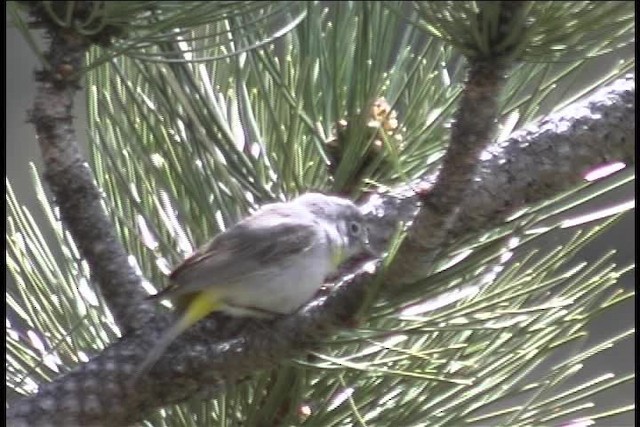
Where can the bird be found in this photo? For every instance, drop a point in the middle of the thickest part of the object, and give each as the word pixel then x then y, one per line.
pixel 268 264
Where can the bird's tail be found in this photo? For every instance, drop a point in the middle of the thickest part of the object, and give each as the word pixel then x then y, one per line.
pixel 199 307
pixel 159 348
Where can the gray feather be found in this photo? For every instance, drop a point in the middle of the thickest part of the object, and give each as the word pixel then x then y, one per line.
pixel 267 238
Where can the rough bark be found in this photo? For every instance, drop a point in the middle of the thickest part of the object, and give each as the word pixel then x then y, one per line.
pixel 73 186
pixel 534 164
pixel 468 197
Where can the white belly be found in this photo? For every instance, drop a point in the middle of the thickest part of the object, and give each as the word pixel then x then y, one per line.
pixel 286 289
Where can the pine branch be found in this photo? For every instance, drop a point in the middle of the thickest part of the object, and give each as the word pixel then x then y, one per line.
pixel 534 164
pixel 222 350
pixel 72 182
pixel 542 160
pixel 474 125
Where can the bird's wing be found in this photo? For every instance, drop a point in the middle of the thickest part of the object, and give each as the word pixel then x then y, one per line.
pixel 242 250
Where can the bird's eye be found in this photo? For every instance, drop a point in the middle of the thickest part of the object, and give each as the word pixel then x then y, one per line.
pixel 355 228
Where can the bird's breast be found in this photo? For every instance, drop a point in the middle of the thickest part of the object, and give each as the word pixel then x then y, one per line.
pixel 285 288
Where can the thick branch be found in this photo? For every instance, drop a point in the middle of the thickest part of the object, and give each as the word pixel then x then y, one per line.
pixel 73 185
pixel 545 159
pixel 551 156
pixel 474 124
pixel 472 129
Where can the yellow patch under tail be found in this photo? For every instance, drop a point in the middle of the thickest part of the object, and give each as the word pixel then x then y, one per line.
pixel 200 306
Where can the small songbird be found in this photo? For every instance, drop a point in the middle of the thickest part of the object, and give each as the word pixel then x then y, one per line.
pixel 270 263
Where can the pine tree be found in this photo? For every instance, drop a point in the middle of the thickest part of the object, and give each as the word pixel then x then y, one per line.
pixel 443 120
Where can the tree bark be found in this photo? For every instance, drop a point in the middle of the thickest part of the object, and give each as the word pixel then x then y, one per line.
pixel 543 160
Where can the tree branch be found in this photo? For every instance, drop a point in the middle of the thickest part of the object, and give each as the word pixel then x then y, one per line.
pixel 474 124
pixel 540 161
pixel 536 163
pixel 72 182
pixel 473 128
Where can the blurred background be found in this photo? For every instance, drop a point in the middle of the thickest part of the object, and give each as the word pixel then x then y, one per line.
pixel 22 148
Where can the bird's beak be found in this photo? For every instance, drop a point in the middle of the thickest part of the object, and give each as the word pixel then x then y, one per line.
pixel 368 250
pixel 367 247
